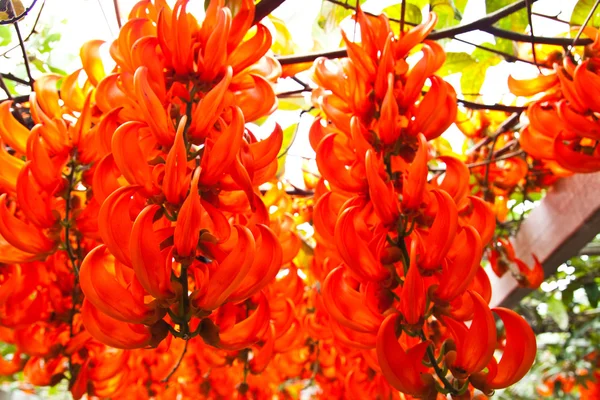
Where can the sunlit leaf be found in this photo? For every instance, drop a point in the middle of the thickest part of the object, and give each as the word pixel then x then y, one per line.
pixel 517 22
pixel 448 14
pixel 5 35
pixel 581 11
pixel 412 15
pixel 456 62
pixel 558 312
pixel 289 134
pixel 291 103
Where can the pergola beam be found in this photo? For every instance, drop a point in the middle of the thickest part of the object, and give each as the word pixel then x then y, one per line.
pixel 565 221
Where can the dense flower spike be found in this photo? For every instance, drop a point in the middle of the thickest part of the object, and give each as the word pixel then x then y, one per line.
pixel 407 246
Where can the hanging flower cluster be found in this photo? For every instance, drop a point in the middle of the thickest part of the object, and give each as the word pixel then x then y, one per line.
pixel 563 124
pixel 400 253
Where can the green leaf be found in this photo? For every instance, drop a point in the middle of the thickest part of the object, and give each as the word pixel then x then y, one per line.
pixel 48 43
pixel 5 35
pixel 39 65
pixel 289 134
pixel 580 12
pixel 291 103
pixel 558 312
pixel 473 76
pixel 460 6
pixel 412 15
pixel 593 294
pixel 567 295
pixel 447 13
pixel 516 22
pixel 481 55
pixel 456 62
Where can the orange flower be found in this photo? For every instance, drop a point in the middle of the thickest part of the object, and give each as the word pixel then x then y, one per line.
pixel 403 368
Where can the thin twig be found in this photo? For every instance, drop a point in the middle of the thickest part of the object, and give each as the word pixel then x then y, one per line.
pixel 176 367
pixel 117 12
pixel 520 37
pixel 587 19
pixel 532 35
pixel 4 87
pixel 504 157
pixel 13 78
pixel 551 17
pixel 508 57
pixel 24 52
pixel 105 17
pixel 495 107
pixel 402 17
pixel 17 17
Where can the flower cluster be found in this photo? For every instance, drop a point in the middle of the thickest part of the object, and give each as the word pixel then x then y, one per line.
pixel 400 253
pixel 563 124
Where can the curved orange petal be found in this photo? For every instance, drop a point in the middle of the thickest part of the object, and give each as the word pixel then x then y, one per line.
pixel 442 231
pixel 519 351
pixel 402 369
pixel 115 223
pixel 415 178
pixel 354 250
pixel 189 219
pixel 221 153
pixel 530 87
pixel 267 261
pixel 174 182
pixel 413 298
pixel 91 61
pixel 102 287
pixel 152 109
pixel 346 305
pixel 24 237
pixel 128 154
pixel 458 273
pixel 151 264
pixel 475 346
pixel 382 195
pixel 226 275
pixel 11 131
pixel 118 334
pixel 33 201
pixel 246 332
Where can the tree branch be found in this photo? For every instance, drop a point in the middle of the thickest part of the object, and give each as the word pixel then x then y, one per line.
pixel 486 21
pixel 5 88
pixel 496 106
pixel 24 52
pixel 117 12
pixel 264 8
pixel 13 78
pixel 521 37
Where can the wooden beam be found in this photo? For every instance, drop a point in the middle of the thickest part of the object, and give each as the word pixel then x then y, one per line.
pixel 564 222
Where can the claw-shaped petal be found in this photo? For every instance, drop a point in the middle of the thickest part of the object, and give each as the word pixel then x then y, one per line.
pixel 402 368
